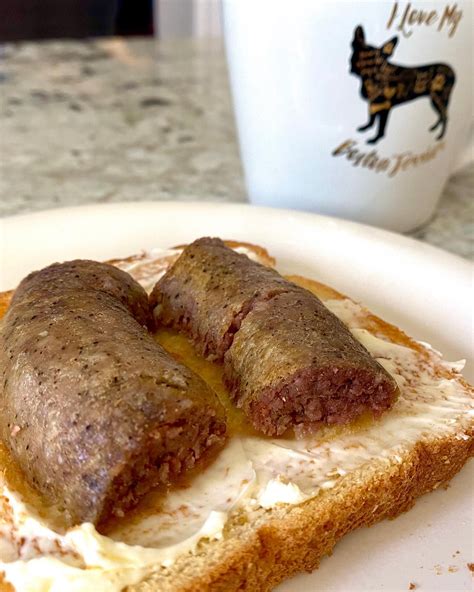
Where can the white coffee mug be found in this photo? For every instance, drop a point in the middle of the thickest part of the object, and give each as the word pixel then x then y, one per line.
pixel 358 109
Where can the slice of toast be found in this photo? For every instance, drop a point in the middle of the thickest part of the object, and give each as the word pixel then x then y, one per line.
pixel 265 545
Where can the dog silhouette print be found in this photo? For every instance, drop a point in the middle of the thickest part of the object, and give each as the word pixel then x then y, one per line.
pixel 386 85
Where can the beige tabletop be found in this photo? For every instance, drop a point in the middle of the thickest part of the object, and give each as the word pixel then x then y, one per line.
pixel 114 120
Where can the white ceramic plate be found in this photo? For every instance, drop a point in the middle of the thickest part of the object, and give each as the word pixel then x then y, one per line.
pixel 425 291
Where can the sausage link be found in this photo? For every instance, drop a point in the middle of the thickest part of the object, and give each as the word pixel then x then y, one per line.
pixel 288 360
pixel 92 407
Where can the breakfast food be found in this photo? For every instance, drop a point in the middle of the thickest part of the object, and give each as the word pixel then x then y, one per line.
pixel 92 408
pixel 289 362
pixel 265 508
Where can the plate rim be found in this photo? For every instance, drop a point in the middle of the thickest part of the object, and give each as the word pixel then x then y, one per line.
pixel 374 231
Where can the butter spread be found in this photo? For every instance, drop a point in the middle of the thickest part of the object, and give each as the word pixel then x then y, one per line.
pixel 276 491
pixel 251 472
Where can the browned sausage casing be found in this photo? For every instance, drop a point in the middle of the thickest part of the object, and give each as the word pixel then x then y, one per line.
pixel 288 361
pixel 92 407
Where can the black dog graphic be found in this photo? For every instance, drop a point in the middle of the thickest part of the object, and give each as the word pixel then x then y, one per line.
pixel 385 85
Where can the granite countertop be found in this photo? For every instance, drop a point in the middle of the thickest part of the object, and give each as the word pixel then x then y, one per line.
pixel 122 120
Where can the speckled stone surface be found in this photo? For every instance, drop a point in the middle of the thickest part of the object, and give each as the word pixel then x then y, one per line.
pixel 114 120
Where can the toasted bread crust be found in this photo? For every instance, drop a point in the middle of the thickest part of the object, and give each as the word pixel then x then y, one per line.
pixel 257 556
pixel 296 538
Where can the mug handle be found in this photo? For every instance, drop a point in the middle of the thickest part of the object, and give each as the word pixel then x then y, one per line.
pixel 467 155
